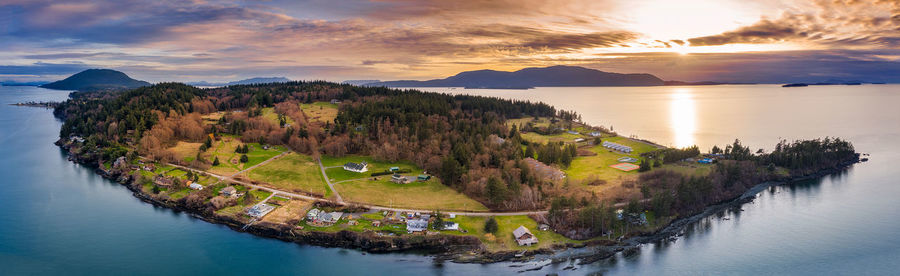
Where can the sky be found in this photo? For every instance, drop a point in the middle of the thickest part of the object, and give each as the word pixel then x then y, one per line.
pixel 690 40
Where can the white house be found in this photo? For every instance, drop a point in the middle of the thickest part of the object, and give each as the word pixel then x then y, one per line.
pixel 451 226
pixel 260 210
pixel 195 186
pixel 524 237
pixel 416 225
pixel 357 167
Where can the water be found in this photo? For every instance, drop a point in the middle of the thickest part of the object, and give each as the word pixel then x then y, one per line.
pixel 57 217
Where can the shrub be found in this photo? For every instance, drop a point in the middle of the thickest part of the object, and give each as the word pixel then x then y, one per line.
pixel 491 226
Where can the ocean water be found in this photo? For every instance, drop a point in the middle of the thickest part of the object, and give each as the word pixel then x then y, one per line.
pixel 57 217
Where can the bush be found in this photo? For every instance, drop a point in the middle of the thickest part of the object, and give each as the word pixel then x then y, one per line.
pixel 491 226
pixel 244 158
pixel 216 161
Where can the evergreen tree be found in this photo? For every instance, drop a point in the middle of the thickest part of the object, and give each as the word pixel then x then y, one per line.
pixel 216 161
pixel 491 226
pixel 244 158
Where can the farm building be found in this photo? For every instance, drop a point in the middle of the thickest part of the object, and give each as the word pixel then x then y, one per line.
pixel 400 179
pixel 524 237
pixel 357 167
pixel 617 147
pixel 229 191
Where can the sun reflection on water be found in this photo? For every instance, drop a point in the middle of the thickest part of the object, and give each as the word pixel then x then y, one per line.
pixel 682 116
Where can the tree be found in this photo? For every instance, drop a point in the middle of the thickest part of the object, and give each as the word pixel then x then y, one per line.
pixel 438 221
pixel 495 190
pixel 491 226
pixel 244 158
pixel 645 166
pixel 248 198
pixel 216 161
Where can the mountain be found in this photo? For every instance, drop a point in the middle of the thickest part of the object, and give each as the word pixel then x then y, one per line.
pixel 94 79
pixel 695 83
pixel 256 80
pixel 359 82
pixel 532 77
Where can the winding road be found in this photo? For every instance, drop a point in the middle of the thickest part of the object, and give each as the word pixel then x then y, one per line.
pixel 338 200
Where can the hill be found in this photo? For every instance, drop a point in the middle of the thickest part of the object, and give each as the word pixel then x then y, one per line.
pixel 96 79
pixel 532 77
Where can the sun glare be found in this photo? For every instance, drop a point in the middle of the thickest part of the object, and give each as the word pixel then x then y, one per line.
pixel 682 116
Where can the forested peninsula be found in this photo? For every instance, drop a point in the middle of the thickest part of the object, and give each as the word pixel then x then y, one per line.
pixel 362 167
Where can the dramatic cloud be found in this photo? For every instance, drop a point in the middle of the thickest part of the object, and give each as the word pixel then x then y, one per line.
pixel 222 40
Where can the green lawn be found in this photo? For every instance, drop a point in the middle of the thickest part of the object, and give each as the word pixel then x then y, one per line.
pixel 504 239
pixel 229 161
pixel 599 165
pixel 339 174
pixel 292 172
pixel 543 139
pixel 430 195
pixel 364 224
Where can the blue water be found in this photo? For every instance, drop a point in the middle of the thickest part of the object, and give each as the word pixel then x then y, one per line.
pixel 57 217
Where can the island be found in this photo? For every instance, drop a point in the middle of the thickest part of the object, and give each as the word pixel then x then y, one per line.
pixel 467 178
pixel 96 79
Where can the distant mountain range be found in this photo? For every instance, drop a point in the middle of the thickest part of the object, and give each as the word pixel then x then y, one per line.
pixel 532 77
pixel 359 82
pixel 256 80
pixel 96 79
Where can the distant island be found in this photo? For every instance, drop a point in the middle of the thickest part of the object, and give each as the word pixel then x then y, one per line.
pixel 97 79
pixel 689 83
pixel 25 83
pixel 257 80
pixel 553 76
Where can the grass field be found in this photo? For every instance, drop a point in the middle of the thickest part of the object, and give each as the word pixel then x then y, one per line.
pixel 292 172
pixel 186 151
pixel 294 209
pixel 540 122
pixel 599 165
pixel 429 195
pixel 229 161
pixel 339 174
pixel 269 114
pixel 320 111
pixel 504 239
pixel 543 139
pixel 212 118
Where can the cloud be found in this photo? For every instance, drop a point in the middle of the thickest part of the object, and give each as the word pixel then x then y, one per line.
pixel 857 23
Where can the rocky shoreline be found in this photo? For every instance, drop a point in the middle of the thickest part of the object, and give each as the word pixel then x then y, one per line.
pixel 460 249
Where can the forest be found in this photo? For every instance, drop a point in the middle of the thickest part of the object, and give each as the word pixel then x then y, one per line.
pixel 461 139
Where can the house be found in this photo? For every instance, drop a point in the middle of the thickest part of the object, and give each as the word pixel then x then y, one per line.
pixel 328 218
pixel 572 132
pixel 312 214
pixel 596 134
pixel 453 216
pixel 260 210
pixel 423 177
pixel 543 227
pixel 394 169
pixel 76 139
pixel 195 186
pixel 399 179
pixel 376 223
pixel 357 167
pixel 162 182
pixel 335 101
pixel 451 226
pixel 524 237
pixel 416 225
pixel 229 191
pixel 579 140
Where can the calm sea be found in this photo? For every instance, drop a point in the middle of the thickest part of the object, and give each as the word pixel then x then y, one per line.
pixel 57 217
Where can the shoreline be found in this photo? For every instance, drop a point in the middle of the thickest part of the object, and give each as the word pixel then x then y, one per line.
pixel 458 249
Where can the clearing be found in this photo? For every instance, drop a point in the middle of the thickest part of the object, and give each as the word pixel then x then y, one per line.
pixel 293 172
pixel 504 239
pixel 428 195
pixel 320 111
